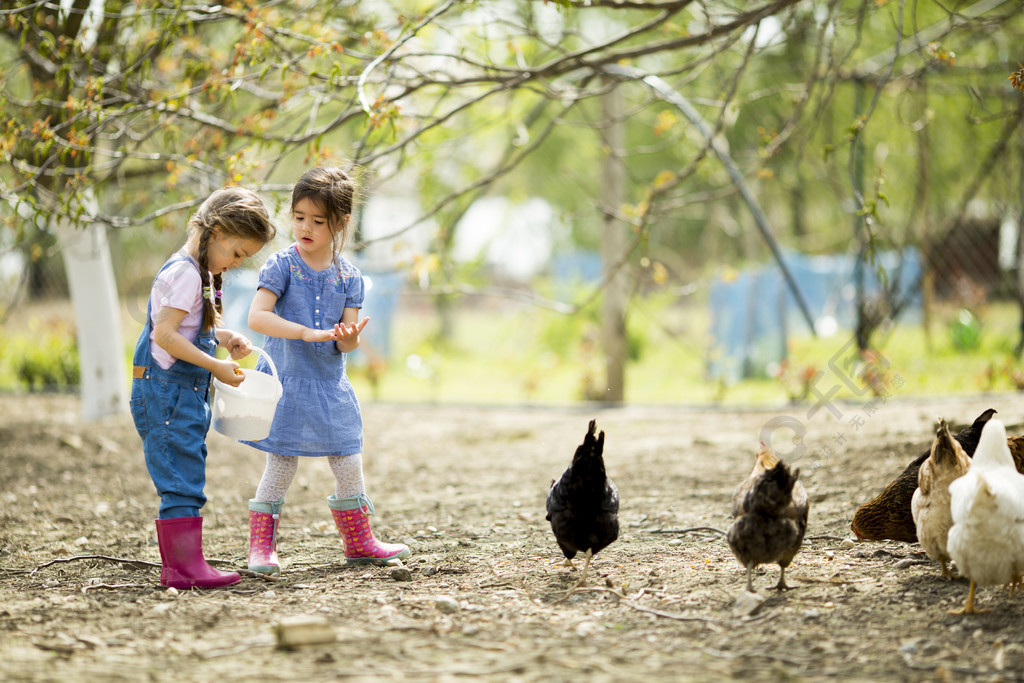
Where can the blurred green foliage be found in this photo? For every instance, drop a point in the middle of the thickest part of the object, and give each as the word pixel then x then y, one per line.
pixel 45 359
pixel 965 331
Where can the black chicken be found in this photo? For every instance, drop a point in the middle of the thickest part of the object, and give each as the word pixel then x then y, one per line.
pixel 583 504
pixel 770 510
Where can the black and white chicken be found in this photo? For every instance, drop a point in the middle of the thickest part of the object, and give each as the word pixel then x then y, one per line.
pixel 583 503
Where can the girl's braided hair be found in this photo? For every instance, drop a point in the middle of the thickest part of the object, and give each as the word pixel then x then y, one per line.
pixel 333 191
pixel 234 211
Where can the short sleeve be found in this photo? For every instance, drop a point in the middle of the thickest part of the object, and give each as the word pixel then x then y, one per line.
pixel 356 293
pixel 275 274
pixel 177 286
pixel 355 286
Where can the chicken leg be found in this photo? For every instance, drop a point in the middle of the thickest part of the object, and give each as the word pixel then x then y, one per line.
pixel 586 566
pixel 945 569
pixel 781 585
pixel 969 607
pixel 750 585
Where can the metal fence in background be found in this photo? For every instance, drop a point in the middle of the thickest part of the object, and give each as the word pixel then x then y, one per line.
pixel 752 311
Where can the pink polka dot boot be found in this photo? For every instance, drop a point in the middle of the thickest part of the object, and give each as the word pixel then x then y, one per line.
pixel 263 521
pixel 352 517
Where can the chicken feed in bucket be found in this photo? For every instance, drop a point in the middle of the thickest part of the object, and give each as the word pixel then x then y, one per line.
pixel 246 412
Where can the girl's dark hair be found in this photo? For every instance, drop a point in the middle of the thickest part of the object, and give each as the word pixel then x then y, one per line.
pixel 235 211
pixel 333 191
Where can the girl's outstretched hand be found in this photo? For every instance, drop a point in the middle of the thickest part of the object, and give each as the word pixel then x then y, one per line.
pixel 343 332
pixel 228 372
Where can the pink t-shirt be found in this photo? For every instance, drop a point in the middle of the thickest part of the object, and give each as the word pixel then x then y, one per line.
pixel 178 286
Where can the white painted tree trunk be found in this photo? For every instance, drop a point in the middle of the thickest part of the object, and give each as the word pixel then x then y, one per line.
pixel 90 272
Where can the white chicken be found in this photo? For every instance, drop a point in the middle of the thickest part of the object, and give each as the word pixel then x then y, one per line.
pixel 946 462
pixel 987 505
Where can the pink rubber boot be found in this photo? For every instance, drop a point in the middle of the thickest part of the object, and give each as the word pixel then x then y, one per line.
pixel 351 515
pixel 263 521
pixel 181 553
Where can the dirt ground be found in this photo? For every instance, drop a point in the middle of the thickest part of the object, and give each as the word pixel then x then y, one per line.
pixel 484 595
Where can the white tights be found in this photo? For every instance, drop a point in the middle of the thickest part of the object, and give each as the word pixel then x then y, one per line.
pixel 280 470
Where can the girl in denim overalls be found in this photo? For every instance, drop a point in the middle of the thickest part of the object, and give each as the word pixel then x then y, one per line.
pixel 173 362
pixel 308 305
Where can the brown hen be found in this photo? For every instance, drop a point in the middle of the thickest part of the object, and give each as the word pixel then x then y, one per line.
pixel 770 510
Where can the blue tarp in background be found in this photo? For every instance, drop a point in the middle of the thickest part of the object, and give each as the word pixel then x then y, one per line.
pixel 572 269
pixel 753 312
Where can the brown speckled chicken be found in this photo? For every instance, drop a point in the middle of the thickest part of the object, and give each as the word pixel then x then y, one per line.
pixel 930 505
pixel 888 516
pixel 770 510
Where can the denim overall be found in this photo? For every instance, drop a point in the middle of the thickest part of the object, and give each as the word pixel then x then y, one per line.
pixel 171 410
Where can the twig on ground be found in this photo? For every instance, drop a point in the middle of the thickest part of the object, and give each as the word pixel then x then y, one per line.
pixel 140 564
pixel 237 649
pixel 627 600
pixel 144 564
pixel 669 615
pixel 220 563
pixel 112 586
pixel 688 530
pixel 833 580
pixel 258 575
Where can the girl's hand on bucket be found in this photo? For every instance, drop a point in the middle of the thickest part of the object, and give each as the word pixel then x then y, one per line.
pixel 228 372
pixel 239 346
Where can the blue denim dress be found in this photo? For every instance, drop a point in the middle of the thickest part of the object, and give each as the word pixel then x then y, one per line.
pixel 318 414
pixel 171 410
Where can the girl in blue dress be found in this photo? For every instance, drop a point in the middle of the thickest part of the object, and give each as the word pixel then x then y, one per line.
pixel 308 305
pixel 173 362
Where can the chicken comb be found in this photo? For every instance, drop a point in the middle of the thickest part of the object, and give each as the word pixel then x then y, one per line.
pixel 764 459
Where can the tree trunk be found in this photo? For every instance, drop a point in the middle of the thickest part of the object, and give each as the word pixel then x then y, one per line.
pixel 924 224
pixel 865 325
pixel 97 318
pixel 613 251
pixel 1020 247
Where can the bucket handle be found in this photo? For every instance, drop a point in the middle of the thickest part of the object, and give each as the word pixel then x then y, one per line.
pixel 270 361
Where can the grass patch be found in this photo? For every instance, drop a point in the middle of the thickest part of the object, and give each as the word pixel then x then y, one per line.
pixel 508 353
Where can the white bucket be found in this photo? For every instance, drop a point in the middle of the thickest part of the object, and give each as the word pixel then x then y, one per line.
pixel 246 412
